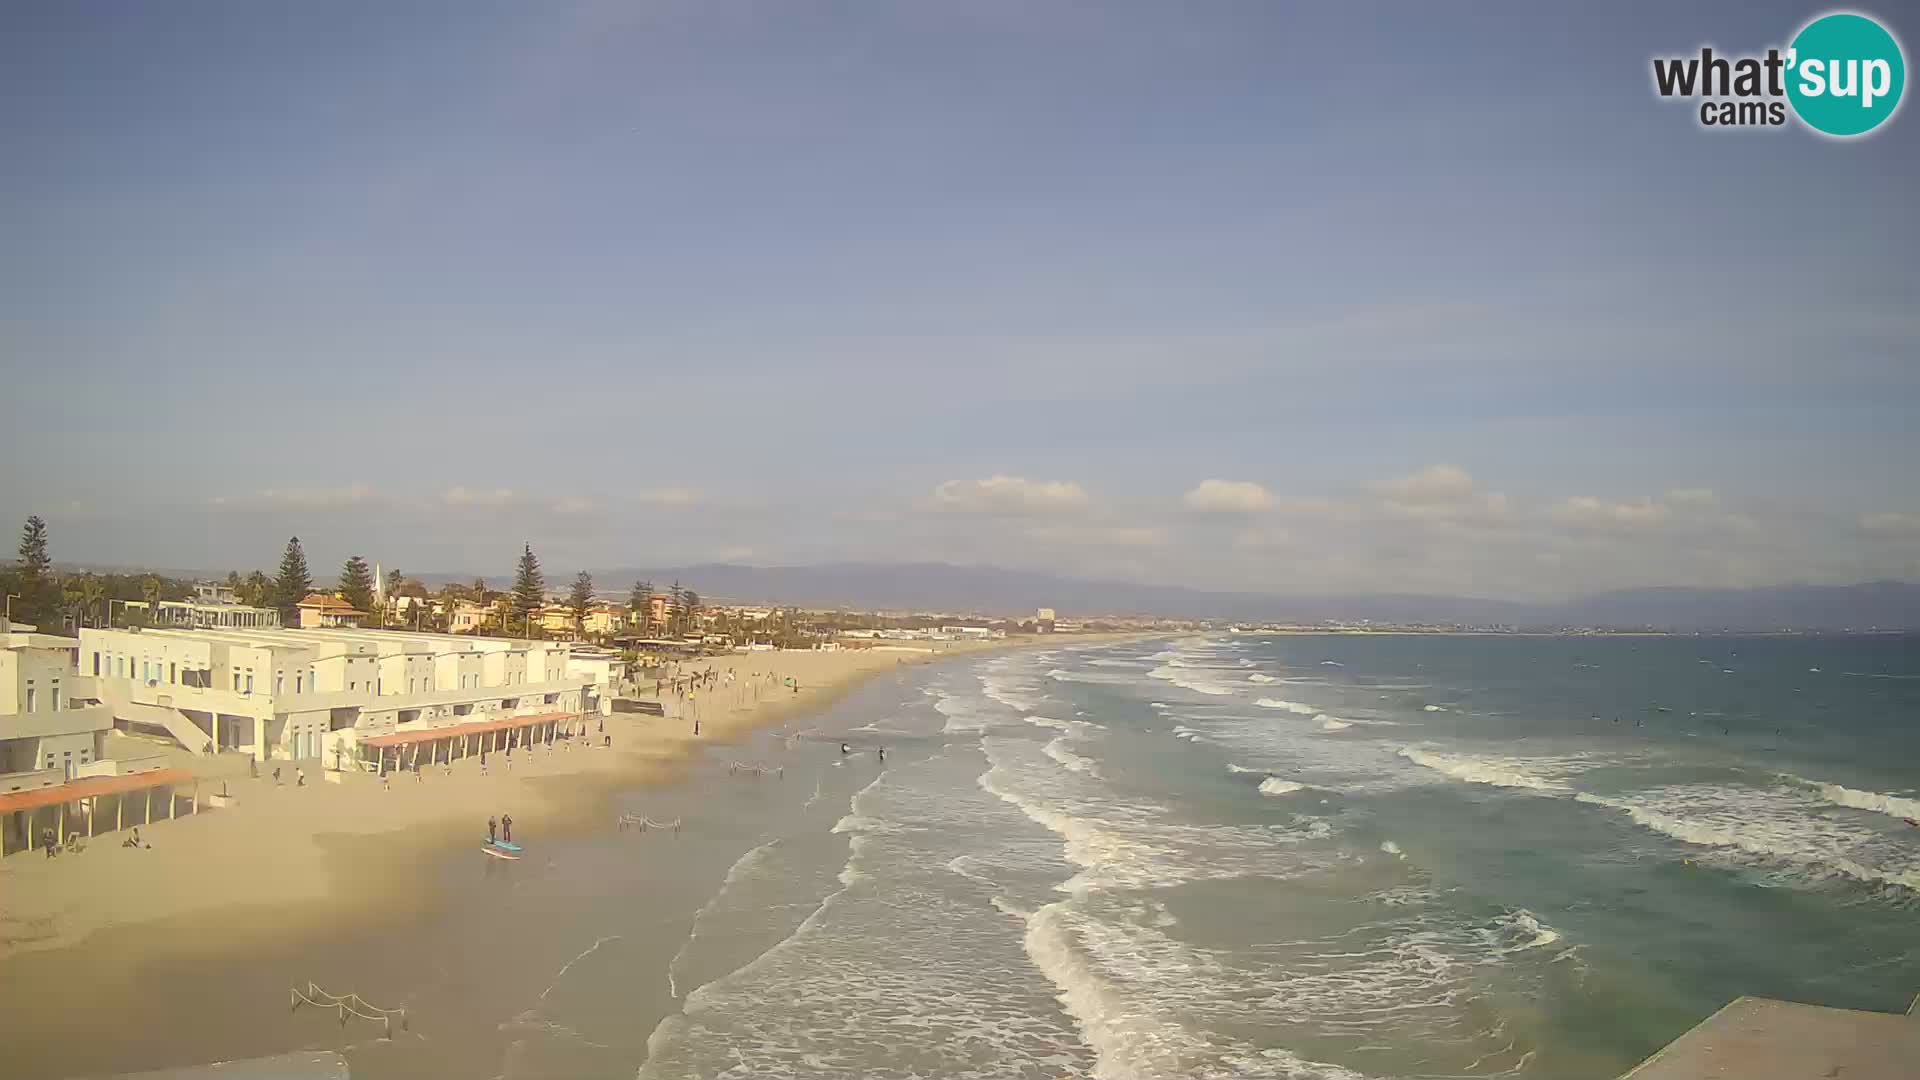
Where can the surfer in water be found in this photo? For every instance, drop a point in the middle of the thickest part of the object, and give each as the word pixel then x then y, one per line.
pixel 844 749
pixel 882 752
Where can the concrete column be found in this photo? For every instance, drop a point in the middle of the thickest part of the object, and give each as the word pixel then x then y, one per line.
pixel 259 739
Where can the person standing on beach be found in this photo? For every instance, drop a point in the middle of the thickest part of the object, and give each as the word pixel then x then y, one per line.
pixel 300 778
pixel 46 841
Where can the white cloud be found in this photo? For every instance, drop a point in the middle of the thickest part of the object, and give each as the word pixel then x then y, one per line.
pixel 1891 524
pixel 1010 495
pixel 1587 512
pixel 465 496
pixel 1433 484
pixel 1228 497
pixel 668 496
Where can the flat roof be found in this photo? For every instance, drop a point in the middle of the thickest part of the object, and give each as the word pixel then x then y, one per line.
pixel 455 731
pixel 1785 1040
pixel 89 786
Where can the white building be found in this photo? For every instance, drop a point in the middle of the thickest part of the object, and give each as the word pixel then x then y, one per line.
pixel 318 693
pixel 49 720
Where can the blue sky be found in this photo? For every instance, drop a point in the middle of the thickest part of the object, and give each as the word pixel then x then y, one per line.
pixel 986 282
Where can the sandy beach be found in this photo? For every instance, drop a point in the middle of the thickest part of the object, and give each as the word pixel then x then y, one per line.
pixel 286 868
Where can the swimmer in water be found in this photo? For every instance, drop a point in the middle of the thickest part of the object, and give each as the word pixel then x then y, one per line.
pixel 843 748
pixel 883 753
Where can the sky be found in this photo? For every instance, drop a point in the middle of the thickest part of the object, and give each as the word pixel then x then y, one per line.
pixel 1255 296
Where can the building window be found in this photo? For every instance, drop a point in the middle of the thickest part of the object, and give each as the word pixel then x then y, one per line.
pixel 173 672
pixel 54 697
pixel 236 680
pixel 96 662
pixel 249 684
pixel 279 683
pixel 31 695
pixel 299 682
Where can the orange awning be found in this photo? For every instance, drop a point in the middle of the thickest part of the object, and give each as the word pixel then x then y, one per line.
pixel 456 731
pixel 90 786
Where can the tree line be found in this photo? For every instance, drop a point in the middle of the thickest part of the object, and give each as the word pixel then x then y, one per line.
pixel 35 594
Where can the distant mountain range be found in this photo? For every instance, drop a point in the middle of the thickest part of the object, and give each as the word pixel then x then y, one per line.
pixel 987 590
pixel 995 591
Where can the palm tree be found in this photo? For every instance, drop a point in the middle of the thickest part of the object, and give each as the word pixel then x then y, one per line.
pixel 74 600
pixel 93 593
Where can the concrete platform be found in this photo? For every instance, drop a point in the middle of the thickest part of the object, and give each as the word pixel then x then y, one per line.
pixel 1784 1040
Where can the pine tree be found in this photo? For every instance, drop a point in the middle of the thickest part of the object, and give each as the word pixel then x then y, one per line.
pixel 529 587
pixel 676 603
pixel 581 598
pixel 293 584
pixel 356 584
pixel 33 576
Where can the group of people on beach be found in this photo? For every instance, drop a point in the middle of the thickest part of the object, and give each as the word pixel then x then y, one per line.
pixel 500 829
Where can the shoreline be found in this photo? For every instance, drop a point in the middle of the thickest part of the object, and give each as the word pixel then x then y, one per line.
pixel 344 855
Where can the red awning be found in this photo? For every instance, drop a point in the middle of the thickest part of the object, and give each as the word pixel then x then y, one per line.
pixel 456 731
pixel 90 786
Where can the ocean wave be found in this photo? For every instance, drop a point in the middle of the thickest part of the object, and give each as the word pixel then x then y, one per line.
pixel 1880 803
pixel 1782 824
pixel 1232 768
pixel 1332 723
pixel 1121 985
pixel 1256 677
pixel 1273 785
pixel 1331 663
pixel 1506 772
pixel 1392 849
pixel 1067 758
pixel 1434 708
pixel 1094 678
pixel 1289 706
pixel 1194 679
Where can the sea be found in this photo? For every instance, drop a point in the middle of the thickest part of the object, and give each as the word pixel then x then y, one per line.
pixel 1319 856
pixel 1308 856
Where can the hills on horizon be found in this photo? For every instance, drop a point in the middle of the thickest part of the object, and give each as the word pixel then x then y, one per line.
pixel 990 590
pixel 996 591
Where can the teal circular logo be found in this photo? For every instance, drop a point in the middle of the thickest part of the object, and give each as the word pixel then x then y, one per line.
pixel 1845 73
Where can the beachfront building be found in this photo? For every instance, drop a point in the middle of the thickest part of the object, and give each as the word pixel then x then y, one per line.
pixel 55 777
pixel 556 621
pixel 319 693
pixel 324 610
pixel 49 719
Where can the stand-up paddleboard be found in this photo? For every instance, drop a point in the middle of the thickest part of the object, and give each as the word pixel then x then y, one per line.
pixel 502 844
pixel 498 854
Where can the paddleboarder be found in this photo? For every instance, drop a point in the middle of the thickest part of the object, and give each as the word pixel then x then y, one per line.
pixel 506 828
pixel 493 829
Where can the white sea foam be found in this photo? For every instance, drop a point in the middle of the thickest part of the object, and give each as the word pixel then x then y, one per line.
pixel 1785 824
pixel 1505 772
pixel 1434 708
pixel 1273 785
pixel 1891 805
pixel 1243 769
pixel 1289 706
pixel 1256 677
pixel 1057 750
pixel 1197 680
pixel 1331 663
pixel 1332 723
pixel 1392 849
